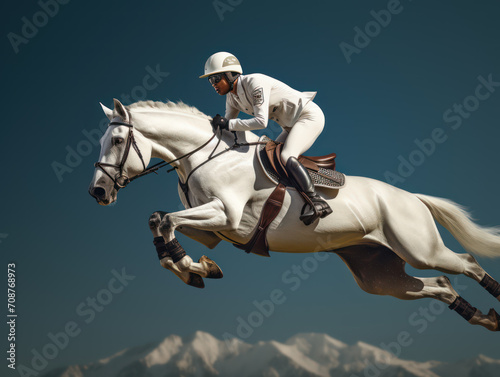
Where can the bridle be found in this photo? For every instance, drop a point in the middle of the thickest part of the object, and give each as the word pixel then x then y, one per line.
pixel 121 180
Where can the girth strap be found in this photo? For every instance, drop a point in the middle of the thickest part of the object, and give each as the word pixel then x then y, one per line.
pixel 258 243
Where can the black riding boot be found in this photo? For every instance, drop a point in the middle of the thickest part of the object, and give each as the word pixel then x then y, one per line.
pixel 301 177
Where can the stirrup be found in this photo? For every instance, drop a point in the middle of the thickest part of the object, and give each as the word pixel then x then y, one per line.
pixel 314 213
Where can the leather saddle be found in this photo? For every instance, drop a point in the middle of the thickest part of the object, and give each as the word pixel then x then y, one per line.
pixel 270 158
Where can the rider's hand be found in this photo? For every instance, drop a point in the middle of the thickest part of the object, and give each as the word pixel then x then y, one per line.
pixel 219 122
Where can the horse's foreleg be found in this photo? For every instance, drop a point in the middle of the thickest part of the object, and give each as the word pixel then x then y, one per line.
pixel 166 260
pixel 210 216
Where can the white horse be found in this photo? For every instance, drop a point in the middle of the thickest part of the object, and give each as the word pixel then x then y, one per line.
pixel 375 228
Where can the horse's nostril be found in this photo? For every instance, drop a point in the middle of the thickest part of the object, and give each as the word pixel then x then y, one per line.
pixel 98 192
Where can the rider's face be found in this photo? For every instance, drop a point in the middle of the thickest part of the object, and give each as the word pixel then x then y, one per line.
pixel 222 87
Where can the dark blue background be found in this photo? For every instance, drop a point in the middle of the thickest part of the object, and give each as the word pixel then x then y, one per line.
pixel 394 91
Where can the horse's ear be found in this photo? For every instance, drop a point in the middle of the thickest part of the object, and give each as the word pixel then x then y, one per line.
pixel 107 111
pixel 121 111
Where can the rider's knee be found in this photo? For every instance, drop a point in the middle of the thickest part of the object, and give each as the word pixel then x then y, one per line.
pixel 285 155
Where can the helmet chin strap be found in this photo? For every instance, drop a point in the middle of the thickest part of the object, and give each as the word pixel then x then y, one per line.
pixel 231 79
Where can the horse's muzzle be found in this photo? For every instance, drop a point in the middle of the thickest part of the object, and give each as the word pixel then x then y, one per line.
pixel 99 194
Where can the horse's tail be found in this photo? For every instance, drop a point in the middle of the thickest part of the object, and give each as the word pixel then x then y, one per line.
pixel 483 241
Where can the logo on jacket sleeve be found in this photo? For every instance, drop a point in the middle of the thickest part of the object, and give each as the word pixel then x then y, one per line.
pixel 258 96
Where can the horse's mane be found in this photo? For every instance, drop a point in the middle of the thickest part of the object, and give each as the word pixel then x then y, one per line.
pixel 179 107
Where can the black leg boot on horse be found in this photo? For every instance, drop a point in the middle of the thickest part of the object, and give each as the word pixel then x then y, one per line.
pixel 319 208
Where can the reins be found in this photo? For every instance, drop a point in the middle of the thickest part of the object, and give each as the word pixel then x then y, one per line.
pixel 121 180
pixel 159 165
pixel 184 185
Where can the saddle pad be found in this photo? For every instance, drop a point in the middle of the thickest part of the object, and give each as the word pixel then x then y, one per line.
pixel 323 178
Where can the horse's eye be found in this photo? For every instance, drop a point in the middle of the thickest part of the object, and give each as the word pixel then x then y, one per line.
pixel 117 140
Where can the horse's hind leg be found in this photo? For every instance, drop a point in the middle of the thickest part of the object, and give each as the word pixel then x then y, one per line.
pixel 445 260
pixel 378 270
pixel 473 270
pixel 420 245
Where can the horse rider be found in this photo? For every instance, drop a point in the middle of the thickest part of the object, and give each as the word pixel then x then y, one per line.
pixel 265 98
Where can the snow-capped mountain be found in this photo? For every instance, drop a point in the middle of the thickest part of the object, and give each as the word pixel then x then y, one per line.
pixel 303 355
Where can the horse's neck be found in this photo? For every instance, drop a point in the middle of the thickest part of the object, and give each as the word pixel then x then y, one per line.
pixel 175 134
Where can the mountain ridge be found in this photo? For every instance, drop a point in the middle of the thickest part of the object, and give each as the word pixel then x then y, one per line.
pixel 302 355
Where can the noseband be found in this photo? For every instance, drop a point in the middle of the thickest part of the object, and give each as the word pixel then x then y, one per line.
pixel 121 180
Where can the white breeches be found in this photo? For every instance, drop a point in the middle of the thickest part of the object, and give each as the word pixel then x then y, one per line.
pixel 304 132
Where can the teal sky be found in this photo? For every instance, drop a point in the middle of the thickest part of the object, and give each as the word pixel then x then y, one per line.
pixel 402 86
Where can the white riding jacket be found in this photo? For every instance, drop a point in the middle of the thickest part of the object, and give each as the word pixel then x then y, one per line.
pixel 264 98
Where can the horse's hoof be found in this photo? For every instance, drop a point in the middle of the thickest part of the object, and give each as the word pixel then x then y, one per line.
pixel 195 281
pixel 213 271
pixel 496 317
